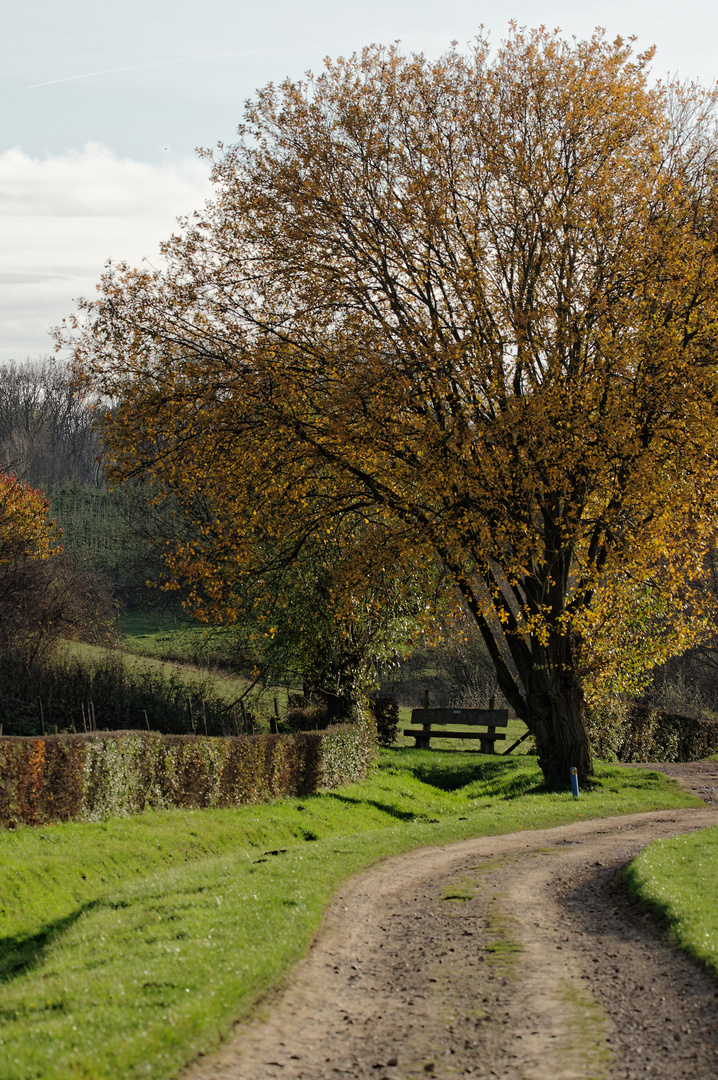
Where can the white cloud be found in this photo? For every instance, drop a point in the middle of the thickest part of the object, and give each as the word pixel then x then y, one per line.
pixel 63 217
pixel 96 181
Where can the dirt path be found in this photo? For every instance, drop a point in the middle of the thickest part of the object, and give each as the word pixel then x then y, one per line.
pixel 519 957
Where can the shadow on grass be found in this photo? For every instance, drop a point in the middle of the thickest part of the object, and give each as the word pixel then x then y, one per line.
pixel 499 773
pixel 19 954
pixel 392 811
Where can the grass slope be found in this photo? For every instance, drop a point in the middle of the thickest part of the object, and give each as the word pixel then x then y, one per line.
pixel 163 637
pixel 678 879
pixel 131 945
pixel 227 687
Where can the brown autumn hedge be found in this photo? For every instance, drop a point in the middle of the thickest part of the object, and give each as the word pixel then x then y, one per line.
pixel 104 774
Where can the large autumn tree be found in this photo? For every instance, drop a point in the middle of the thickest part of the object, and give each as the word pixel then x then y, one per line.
pixel 470 302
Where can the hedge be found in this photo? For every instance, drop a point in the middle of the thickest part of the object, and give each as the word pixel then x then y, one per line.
pixel 107 774
pixel 626 731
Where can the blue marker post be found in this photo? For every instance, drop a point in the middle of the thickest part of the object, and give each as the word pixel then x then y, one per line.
pixel 574 782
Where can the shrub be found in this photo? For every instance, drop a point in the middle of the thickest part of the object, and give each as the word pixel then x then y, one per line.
pixel 346 750
pixel 626 731
pixel 385 710
pixel 311 717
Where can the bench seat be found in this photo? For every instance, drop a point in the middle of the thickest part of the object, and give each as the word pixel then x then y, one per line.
pixel 438 734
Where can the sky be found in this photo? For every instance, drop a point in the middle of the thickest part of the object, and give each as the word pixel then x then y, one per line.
pixel 103 105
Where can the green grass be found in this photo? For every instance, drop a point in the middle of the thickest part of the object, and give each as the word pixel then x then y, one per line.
pixel 128 946
pixel 227 687
pixel 162 635
pixel 141 624
pixel 164 642
pixel 679 880
pixel 167 637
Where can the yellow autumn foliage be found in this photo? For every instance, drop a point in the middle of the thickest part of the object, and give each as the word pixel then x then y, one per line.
pixel 472 302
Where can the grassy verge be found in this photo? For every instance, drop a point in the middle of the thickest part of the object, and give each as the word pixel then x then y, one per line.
pixel 677 879
pixel 129 946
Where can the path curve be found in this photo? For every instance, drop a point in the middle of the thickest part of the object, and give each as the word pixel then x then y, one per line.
pixel 520 957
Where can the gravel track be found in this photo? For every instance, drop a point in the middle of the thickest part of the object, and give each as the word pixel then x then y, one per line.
pixel 521 957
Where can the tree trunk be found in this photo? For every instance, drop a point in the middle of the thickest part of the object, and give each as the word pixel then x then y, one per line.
pixel 547 696
pixel 556 717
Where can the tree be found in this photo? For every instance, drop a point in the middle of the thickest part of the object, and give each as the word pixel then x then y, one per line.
pixel 471 302
pixel 43 596
pixel 47 430
pixel 27 541
pixel 25 531
pixel 343 607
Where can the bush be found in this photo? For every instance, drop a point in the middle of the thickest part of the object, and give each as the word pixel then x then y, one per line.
pixel 385 710
pixel 627 731
pixel 86 777
pixel 311 717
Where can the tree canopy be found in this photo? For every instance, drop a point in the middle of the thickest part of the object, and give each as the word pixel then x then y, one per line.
pixel 27 542
pixel 44 597
pixel 25 531
pixel 469 304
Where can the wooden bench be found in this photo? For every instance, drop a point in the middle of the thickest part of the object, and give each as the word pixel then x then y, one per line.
pixel 433 719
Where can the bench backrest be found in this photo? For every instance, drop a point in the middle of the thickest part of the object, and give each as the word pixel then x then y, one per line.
pixel 484 717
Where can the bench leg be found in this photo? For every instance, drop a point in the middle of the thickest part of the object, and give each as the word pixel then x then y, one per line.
pixel 487 745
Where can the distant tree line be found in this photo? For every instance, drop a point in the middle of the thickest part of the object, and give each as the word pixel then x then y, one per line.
pixel 48 437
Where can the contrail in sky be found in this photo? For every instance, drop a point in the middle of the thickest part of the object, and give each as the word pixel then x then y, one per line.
pixel 132 67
